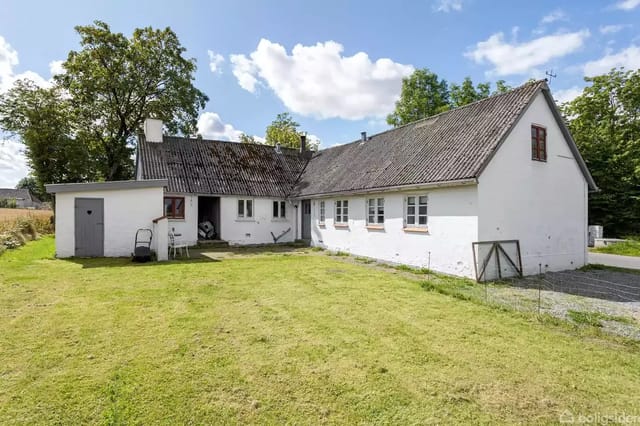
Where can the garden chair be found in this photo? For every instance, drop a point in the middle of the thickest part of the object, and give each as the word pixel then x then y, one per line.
pixel 177 245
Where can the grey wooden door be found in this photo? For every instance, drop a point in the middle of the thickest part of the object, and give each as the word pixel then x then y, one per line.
pixel 306 219
pixel 89 227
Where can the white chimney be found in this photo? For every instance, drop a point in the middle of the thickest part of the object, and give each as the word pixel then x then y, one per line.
pixel 153 130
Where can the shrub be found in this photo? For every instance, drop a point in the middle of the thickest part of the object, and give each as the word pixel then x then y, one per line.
pixel 15 233
pixel 8 203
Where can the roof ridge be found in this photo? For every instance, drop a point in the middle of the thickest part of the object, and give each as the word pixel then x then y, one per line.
pixel 495 95
pixel 228 142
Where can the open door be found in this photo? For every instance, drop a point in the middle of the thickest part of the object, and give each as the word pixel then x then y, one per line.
pixel 208 218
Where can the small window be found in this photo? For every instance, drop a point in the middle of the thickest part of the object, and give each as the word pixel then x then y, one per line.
pixel 375 211
pixel 279 209
pixel 538 143
pixel 342 211
pixel 322 212
pixel 174 207
pixel 245 209
pixel 416 211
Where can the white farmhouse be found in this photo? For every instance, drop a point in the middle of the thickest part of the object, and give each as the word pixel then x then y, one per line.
pixel 501 169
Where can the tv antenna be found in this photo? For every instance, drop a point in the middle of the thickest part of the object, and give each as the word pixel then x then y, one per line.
pixel 551 75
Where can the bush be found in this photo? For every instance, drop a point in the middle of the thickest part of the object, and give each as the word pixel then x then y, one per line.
pixel 8 203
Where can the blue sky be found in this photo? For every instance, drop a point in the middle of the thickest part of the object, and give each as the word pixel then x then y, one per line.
pixel 336 66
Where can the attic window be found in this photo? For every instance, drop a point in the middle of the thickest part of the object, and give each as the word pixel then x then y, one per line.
pixel 538 143
pixel 174 207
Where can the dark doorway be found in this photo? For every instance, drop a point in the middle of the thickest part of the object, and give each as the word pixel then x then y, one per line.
pixel 208 217
pixel 306 219
pixel 89 227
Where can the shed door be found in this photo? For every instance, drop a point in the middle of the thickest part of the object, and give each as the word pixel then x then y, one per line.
pixel 306 219
pixel 89 227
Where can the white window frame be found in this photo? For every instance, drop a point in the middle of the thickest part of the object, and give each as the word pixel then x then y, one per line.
pixel 416 215
pixel 322 212
pixel 281 212
pixel 245 203
pixel 341 212
pixel 378 210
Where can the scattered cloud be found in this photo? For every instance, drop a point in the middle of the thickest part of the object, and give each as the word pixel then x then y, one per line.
pixel 55 68
pixel 245 71
pixel 13 163
pixel 556 15
pixel 628 58
pixel 215 61
pixel 8 62
pixel 627 4
pixel 320 81
pixel 612 29
pixel 509 58
pixel 447 6
pixel 567 95
pixel 211 126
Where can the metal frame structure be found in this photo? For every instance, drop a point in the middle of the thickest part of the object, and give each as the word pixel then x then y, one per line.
pixel 496 249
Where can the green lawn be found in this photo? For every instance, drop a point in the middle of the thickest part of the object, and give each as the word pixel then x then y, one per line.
pixel 297 337
pixel 625 248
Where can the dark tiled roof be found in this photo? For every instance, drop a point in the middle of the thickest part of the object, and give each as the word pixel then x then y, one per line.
pixel 452 146
pixel 18 194
pixel 200 166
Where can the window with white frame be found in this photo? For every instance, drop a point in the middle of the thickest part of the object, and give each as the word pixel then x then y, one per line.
pixel 375 211
pixel 416 211
pixel 342 212
pixel 322 212
pixel 279 209
pixel 245 209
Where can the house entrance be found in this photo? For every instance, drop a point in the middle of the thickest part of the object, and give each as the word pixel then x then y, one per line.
pixel 208 218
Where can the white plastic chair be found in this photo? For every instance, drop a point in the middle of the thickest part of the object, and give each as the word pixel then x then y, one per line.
pixel 177 245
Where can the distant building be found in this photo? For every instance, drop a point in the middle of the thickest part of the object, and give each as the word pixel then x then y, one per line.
pixel 24 198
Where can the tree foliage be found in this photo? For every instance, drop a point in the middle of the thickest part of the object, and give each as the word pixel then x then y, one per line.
pixel 107 90
pixel 33 185
pixel 424 94
pixel 605 123
pixel 285 131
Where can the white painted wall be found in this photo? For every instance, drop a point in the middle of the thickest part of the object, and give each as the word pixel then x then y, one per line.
pixel 125 211
pixel 257 230
pixel 452 227
pixel 235 230
pixel 542 204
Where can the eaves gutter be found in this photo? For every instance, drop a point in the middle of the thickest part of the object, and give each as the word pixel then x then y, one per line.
pixel 396 188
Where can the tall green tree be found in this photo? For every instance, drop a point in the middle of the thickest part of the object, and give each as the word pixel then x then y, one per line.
pixel 285 131
pixel 423 94
pixel 43 119
pixel 115 82
pixel 605 123
pixel 467 93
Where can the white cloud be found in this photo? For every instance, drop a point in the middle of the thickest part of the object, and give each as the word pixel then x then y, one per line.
pixel 211 126
pixel 567 95
pixel 628 58
pixel 55 68
pixel 556 15
pixel 245 71
pixel 627 4
pixel 508 58
pixel 8 61
pixel 13 163
pixel 612 29
pixel 319 81
pixel 215 60
pixel 448 5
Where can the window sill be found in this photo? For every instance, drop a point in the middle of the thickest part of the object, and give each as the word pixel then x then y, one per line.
pixel 322 225
pixel 418 230
pixel 279 219
pixel 375 227
pixel 245 220
pixel 538 160
pixel 341 225
pixel 175 219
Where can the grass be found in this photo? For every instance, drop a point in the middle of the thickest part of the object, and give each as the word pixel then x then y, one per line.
pixel 624 248
pixel 595 319
pixel 294 337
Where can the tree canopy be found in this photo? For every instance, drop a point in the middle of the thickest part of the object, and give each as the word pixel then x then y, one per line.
pixel 605 123
pixel 424 94
pixel 101 100
pixel 285 131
